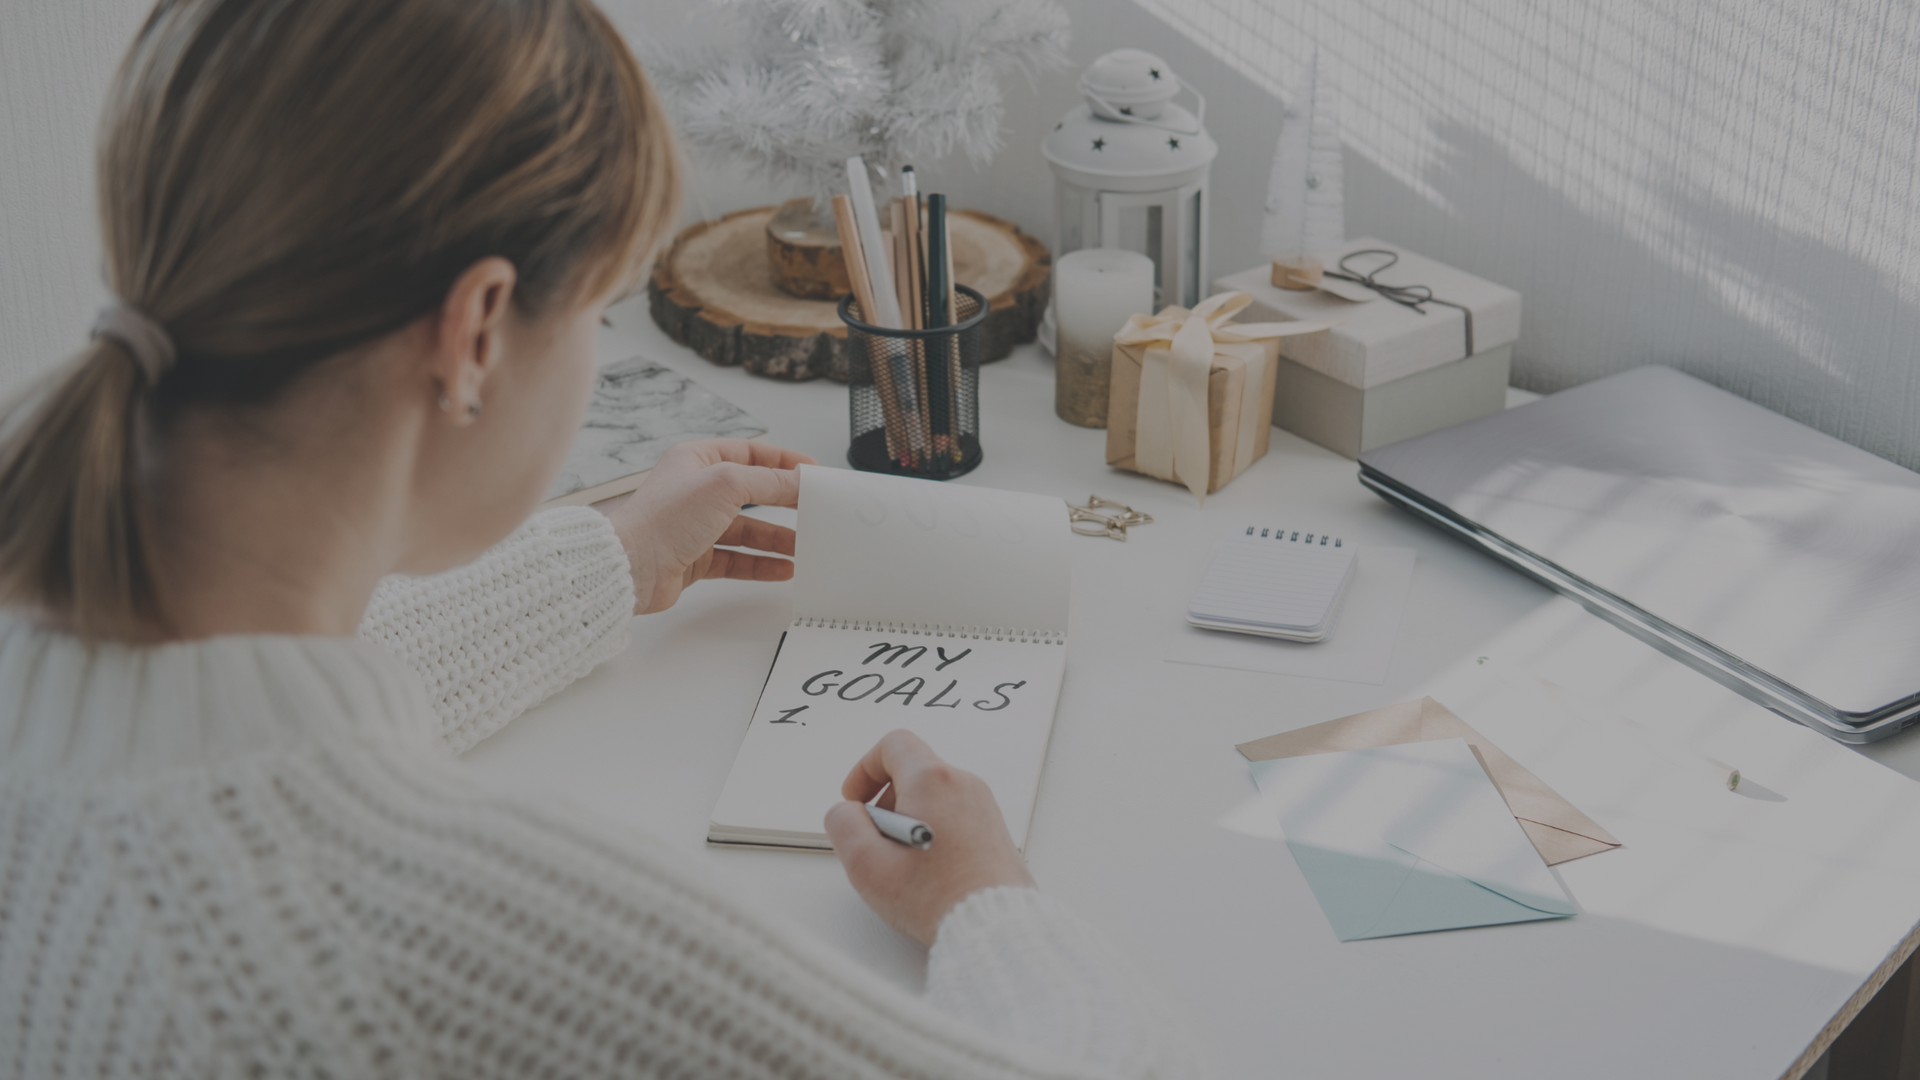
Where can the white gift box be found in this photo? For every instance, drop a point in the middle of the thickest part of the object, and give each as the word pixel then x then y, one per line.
pixel 1388 371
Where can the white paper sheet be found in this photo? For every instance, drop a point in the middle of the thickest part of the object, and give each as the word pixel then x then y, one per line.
pixel 890 549
pixel 1359 649
pixel 1810 861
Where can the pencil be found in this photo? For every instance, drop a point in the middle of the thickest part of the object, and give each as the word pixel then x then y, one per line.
pixel 939 315
pixel 886 312
pixel 857 264
pixel 903 275
pixel 917 281
pixel 953 341
pixel 903 287
pixel 902 282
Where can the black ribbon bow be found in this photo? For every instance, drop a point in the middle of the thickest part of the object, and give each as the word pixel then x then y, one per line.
pixel 1410 296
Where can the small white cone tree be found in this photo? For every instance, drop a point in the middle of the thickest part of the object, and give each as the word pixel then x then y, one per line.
pixel 1306 215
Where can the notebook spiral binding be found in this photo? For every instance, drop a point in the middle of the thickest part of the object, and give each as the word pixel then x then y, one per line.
pixel 1294 536
pixel 976 633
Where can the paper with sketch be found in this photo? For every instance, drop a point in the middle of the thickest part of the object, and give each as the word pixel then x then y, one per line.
pixel 1406 839
pixel 1358 649
pixel 938 608
pixel 1559 831
pixel 639 409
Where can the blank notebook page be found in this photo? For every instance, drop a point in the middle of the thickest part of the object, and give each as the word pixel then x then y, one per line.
pixel 1265 581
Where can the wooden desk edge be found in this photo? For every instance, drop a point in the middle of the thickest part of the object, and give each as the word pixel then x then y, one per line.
pixel 1851 1010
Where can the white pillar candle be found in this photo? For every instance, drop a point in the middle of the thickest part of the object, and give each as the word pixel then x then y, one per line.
pixel 1095 290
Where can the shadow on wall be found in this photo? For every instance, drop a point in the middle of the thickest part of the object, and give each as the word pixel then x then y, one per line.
pixel 1775 316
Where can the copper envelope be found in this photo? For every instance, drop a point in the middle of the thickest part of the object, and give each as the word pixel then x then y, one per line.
pixel 1558 831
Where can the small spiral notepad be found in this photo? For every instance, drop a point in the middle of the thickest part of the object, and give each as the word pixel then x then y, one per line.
pixel 1283 583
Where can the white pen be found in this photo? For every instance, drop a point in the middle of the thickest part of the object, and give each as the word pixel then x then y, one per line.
pixel 909 831
pixel 867 218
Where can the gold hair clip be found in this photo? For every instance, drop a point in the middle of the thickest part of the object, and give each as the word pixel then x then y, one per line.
pixel 1105 517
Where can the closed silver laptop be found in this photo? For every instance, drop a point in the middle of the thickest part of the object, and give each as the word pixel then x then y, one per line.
pixel 1779 560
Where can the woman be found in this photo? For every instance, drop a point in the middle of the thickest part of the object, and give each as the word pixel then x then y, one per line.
pixel 359 250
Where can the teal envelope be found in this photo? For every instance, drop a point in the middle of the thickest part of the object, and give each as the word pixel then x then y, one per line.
pixel 1408 838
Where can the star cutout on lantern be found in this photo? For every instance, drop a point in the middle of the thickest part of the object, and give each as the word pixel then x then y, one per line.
pixel 1155 72
pixel 1173 143
pixel 1099 144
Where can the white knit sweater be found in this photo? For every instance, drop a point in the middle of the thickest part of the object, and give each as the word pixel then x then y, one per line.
pixel 256 856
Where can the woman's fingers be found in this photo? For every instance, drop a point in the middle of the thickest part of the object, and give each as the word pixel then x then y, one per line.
pixel 760 484
pixel 691 502
pixel 777 457
pixel 743 566
pixel 747 452
pixel 914 889
pixel 849 828
pixel 749 532
pixel 898 754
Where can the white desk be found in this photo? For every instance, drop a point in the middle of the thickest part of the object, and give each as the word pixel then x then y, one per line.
pixel 1142 764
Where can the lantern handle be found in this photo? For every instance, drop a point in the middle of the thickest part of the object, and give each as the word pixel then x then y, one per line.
pixel 1114 112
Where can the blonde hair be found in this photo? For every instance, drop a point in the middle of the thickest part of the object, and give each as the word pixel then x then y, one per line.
pixel 281 180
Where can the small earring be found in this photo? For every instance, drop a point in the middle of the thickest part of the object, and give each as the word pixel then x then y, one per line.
pixel 473 409
pixel 446 403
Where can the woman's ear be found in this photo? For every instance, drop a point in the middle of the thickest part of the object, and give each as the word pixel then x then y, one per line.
pixel 467 336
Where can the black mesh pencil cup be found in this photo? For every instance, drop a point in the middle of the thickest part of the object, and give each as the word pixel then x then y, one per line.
pixel 914 395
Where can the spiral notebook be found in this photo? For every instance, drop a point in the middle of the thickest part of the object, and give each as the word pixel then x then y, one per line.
pixel 1275 582
pixel 939 608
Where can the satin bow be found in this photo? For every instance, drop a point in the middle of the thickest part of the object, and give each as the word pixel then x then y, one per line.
pixel 1171 440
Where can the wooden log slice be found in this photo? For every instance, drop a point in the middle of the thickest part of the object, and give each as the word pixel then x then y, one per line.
pixel 714 292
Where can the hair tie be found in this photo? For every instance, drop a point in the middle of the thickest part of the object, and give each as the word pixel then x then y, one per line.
pixel 145 339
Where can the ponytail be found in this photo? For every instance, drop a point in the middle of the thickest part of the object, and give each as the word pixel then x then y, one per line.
pixel 280 183
pixel 73 517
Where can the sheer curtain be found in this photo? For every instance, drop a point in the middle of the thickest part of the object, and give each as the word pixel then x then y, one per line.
pixel 1726 187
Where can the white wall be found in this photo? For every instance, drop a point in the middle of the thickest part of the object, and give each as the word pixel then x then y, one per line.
pixel 1726 187
pixel 56 57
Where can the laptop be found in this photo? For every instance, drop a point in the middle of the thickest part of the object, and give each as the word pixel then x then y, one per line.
pixel 1778 560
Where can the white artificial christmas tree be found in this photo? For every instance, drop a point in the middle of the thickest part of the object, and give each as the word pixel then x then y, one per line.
pixel 898 82
pixel 1306 216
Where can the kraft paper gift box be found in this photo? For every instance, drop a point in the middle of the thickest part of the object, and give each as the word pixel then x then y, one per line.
pixel 1192 392
pixel 1388 371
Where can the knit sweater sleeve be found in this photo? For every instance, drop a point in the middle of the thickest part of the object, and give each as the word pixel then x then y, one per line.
pixel 503 633
pixel 1020 966
pixel 526 942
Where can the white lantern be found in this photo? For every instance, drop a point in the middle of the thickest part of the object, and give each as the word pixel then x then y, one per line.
pixel 1130 171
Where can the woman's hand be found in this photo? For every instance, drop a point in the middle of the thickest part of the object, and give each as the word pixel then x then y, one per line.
pixel 690 502
pixel 909 888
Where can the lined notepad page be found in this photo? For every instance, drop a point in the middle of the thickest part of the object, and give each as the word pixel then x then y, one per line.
pixel 1274 579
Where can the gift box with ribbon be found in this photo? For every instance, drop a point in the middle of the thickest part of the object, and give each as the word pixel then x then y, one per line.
pixel 1420 346
pixel 1192 393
